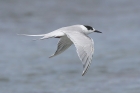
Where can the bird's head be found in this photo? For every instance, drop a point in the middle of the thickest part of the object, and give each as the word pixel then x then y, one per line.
pixel 91 29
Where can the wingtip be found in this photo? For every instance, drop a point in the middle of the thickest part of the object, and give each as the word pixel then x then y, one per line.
pixel 85 70
pixel 83 73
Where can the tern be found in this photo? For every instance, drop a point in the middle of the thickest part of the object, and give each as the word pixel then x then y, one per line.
pixel 77 35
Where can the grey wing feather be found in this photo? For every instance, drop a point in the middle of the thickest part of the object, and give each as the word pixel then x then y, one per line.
pixel 84 46
pixel 63 44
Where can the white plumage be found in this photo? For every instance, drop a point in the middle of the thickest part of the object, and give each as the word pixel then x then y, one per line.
pixel 77 35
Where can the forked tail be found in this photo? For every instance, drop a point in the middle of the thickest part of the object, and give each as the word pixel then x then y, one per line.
pixel 31 35
pixel 45 36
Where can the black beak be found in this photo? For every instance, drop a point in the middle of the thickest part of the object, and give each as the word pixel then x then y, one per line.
pixel 97 31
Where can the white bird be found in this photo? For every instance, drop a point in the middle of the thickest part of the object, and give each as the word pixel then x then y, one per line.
pixel 77 35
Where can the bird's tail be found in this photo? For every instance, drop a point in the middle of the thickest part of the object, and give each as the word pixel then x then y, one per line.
pixel 45 36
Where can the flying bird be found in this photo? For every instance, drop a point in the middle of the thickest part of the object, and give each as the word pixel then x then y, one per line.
pixel 77 35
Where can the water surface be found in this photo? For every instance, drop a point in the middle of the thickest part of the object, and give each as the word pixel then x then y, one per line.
pixel 26 68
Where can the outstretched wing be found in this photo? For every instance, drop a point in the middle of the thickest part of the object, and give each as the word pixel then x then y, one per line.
pixel 63 44
pixel 84 47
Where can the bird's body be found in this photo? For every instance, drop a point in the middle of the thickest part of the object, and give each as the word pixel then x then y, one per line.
pixel 77 35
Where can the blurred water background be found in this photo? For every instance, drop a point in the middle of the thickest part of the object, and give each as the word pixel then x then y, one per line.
pixel 26 68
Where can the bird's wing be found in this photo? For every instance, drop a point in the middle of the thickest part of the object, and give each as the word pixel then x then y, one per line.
pixel 84 47
pixel 63 44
